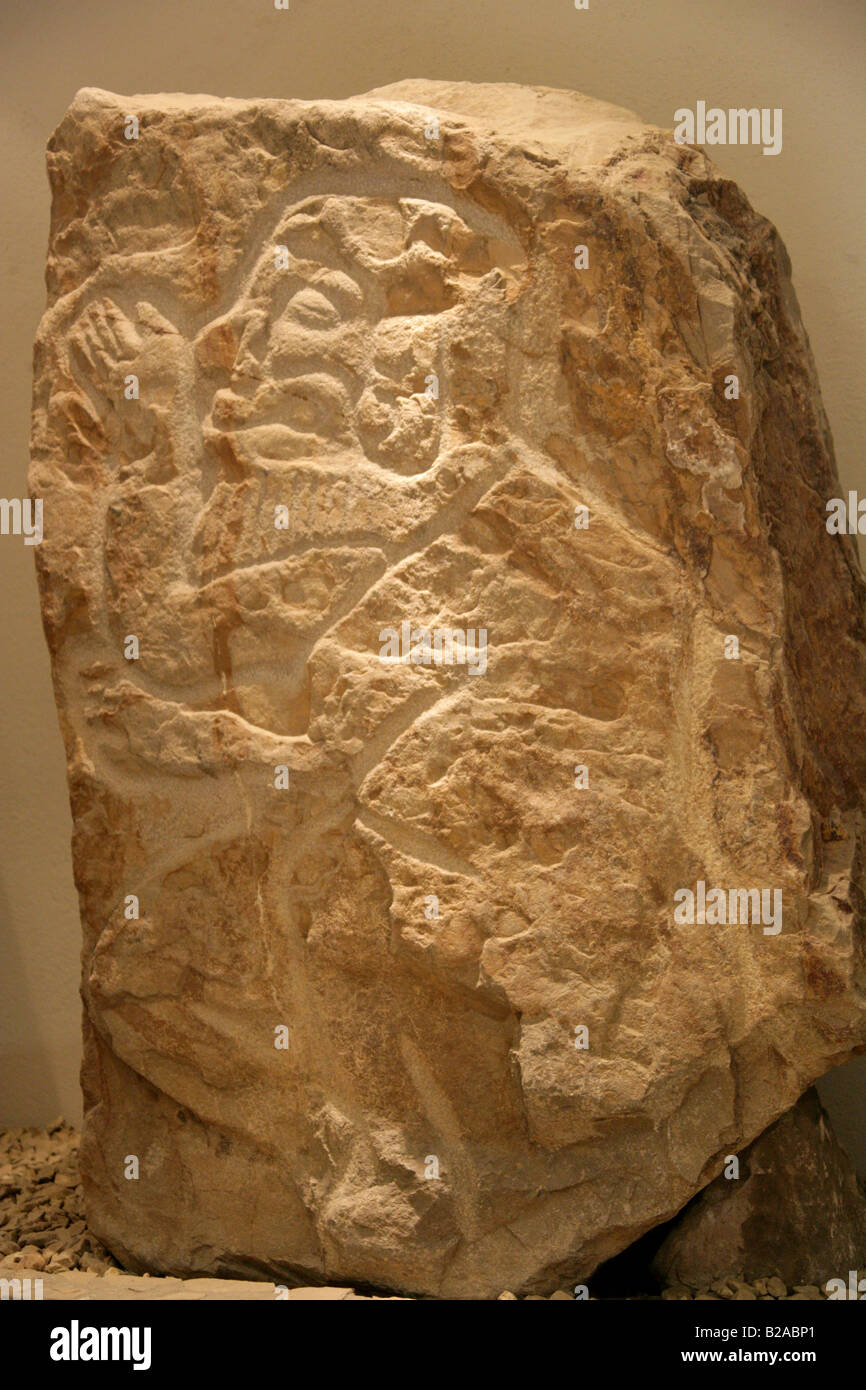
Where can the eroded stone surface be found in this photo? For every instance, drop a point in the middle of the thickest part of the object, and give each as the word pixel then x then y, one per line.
pixel 430 386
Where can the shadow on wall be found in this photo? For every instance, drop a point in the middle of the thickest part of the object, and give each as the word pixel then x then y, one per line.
pixel 29 1070
pixel 841 1092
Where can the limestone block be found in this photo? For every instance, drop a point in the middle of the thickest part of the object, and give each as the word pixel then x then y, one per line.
pixel 437 585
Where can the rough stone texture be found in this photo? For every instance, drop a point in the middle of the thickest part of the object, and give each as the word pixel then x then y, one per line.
pixel 796 1211
pixel 41 1238
pixel 410 254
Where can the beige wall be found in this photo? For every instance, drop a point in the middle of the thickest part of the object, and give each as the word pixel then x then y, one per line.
pixel 806 56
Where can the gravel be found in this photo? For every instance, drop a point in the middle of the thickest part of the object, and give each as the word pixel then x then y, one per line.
pixel 42 1224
